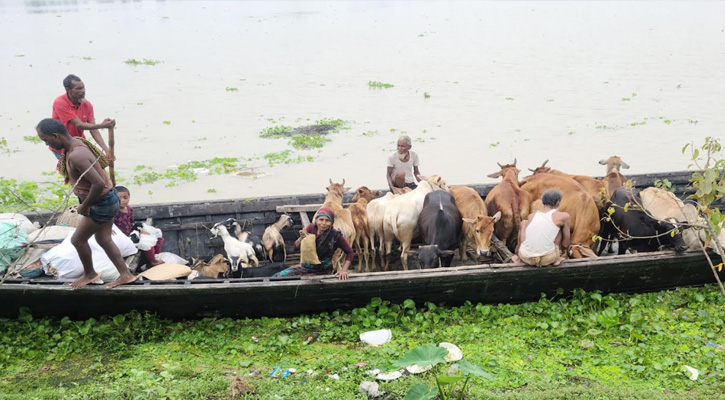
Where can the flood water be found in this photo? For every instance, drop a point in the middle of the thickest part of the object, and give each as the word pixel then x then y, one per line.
pixel 572 82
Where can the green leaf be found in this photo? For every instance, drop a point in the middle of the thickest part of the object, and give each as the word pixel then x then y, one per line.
pixel 445 380
pixel 421 392
pixel 472 369
pixel 423 356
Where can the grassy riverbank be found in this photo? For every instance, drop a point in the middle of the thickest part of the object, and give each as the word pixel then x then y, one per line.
pixel 590 347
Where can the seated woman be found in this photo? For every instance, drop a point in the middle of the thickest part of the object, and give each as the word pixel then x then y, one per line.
pixel 327 240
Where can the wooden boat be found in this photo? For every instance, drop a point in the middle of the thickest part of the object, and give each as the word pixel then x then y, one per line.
pixel 185 230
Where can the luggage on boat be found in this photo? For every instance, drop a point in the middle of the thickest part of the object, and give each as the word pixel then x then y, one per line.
pixel 12 240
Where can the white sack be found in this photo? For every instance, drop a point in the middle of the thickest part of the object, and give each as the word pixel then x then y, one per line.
pixel 67 265
pixel 51 232
pixel 20 221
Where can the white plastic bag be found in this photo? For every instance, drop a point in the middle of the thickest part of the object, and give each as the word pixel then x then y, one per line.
pixel 171 258
pixel 20 221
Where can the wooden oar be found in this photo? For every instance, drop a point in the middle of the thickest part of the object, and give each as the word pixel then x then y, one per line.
pixel 111 143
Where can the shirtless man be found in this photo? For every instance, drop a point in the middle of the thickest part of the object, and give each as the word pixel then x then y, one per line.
pixel 403 167
pixel 76 113
pixel 542 234
pixel 98 202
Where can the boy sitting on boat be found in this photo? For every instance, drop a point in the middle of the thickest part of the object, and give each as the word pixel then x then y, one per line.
pixel 125 221
pixel 542 234
pixel 326 240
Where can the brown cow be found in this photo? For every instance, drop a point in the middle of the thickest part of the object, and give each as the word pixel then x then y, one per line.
pixel 614 178
pixel 358 209
pixel 596 188
pixel 575 201
pixel 343 217
pixel 513 203
pixel 477 225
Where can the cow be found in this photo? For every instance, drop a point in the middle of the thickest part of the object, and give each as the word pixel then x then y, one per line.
pixel 358 210
pixel 439 224
pixel 664 205
pixel 637 230
pixel 614 179
pixel 343 217
pixel 575 201
pixel 477 226
pixel 401 217
pixel 376 213
pixel 596 188
pixel 512 202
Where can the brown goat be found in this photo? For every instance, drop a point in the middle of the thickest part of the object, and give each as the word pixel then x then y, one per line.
pixel 272 238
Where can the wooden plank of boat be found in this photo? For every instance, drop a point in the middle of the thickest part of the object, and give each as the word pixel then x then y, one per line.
pixel 283 297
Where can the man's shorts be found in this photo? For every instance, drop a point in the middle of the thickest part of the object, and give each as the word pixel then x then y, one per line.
pixel 105 208
pixel 541 261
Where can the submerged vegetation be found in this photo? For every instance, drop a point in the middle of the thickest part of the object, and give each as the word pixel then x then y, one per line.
pixel 591 346
pixel 380 85
pixel 145 61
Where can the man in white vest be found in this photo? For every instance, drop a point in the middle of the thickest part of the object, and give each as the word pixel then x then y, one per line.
pixel 542 234
pixel 403 167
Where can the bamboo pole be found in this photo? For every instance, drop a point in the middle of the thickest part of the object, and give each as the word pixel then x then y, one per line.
pixel 111 156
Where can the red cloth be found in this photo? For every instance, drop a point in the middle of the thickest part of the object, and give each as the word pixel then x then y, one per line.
pixel 124 221
pixel 64 111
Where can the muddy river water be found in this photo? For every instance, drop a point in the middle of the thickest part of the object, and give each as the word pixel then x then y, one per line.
pixel 474 83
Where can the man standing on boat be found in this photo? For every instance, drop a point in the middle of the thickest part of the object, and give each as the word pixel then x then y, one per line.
pixel 81 166
pixel 542 234
pixel 402 169
pixel 76 114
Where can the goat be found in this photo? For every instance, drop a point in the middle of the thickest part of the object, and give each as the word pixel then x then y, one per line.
pixel 237 252
pixel 216 266
pixel 246 236
pixel 272 238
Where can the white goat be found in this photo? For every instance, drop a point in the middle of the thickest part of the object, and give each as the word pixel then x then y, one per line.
pixel 271 239
pixel 237 252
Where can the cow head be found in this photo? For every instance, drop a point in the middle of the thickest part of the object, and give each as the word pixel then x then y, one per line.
pixel 337 189
pixel 613 163
pixel 578 250
pixel 430 256
pixel 505 170
pixel 364 193
pixel 437 183
pixel 542 169
pixel 668 239
pixel 483 231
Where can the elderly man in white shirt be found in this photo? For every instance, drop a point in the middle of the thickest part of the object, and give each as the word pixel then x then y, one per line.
pixel 403 167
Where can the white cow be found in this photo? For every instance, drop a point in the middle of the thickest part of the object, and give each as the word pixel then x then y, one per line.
pixel 664 205
pixel 401 217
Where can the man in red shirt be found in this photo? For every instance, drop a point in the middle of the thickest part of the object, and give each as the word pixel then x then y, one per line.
pixel 76 113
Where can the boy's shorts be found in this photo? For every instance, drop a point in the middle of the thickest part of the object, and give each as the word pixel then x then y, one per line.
pixel 105 208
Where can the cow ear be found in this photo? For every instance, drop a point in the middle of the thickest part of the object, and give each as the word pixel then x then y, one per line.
pixel 497 216
pixel 494 175
pixel 347 189
pixel 625 165
pixel 412 253
pixel 603 161
pixel 469 220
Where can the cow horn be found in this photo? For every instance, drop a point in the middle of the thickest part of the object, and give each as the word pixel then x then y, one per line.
pixel 330 181
pixel 544 164
pixel 499 164
pixel 514 162
pixel 532 170
pixel 343 181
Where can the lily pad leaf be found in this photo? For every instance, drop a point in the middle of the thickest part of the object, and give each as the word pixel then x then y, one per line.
pixel 423 356
pixel 421 392
pixel 467 368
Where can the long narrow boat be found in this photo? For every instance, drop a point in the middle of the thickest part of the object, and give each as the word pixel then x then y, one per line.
pixel 185 224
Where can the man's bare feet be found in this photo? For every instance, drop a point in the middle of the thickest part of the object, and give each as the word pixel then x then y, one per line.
pixel 122 280
pixel 558 261
pixel 83 281
pixel 155 263
pixel 515 259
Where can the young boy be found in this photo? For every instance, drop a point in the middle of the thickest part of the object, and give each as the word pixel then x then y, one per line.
pixel 124 220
